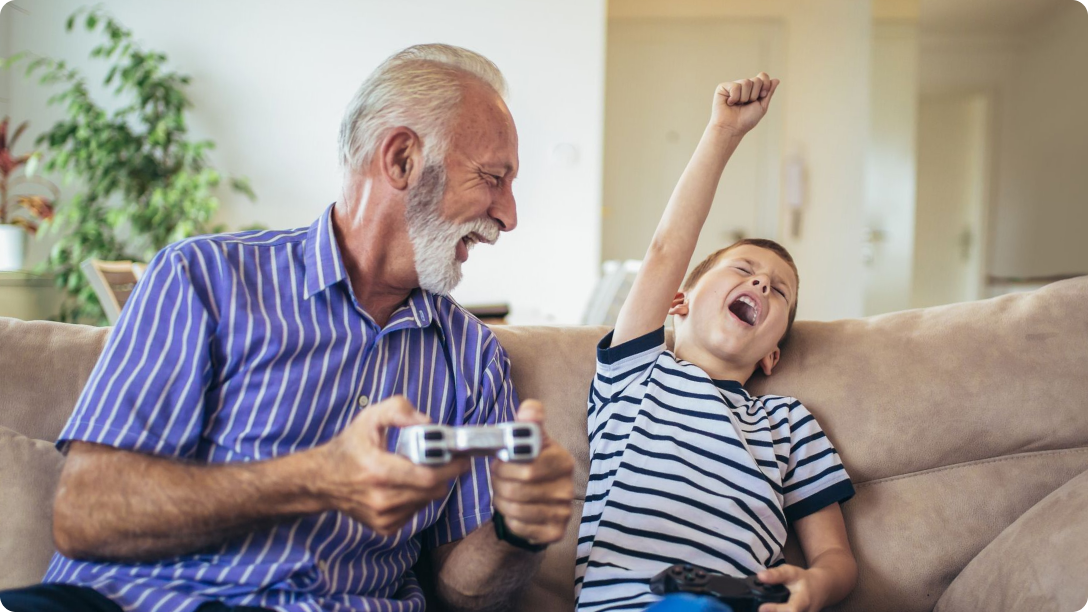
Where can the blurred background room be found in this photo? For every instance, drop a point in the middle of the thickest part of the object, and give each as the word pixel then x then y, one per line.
pixel 919 152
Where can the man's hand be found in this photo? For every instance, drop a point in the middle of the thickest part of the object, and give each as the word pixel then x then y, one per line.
pixel 738 106
pixel 806 587
pixel 535 498
pixel 375 487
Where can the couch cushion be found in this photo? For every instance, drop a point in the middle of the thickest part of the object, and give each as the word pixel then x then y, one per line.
pixel 1038 563
pixel 913 534
pixel 29 470
pixel 44 366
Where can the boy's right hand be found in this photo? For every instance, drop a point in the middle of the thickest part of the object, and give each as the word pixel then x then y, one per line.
pixel 738 106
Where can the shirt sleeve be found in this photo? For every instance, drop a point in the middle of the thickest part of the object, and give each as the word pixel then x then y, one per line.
pixel 469 504
pixel 620 366
pixel 146 393
pixel 815 476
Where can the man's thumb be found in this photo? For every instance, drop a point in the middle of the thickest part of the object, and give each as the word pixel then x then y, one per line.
pixel 531 410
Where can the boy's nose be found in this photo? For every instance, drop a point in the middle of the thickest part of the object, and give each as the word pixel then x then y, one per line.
pixel 756 283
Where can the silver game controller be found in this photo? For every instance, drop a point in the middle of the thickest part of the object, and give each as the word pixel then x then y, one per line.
pixel 438 444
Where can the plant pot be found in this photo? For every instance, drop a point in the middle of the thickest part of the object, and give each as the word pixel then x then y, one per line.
pixel 12 247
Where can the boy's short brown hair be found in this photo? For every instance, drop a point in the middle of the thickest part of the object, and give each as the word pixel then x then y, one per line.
pixel 772 246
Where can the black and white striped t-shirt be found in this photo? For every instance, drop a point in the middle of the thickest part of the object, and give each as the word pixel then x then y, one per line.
pixel 689 469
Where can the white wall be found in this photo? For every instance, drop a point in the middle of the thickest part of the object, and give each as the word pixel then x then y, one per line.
pixel 1039 207
pixel 1041 219
pixel 824 99
pixel 271 80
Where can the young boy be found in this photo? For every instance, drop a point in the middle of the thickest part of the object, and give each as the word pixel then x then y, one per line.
pixel 686 466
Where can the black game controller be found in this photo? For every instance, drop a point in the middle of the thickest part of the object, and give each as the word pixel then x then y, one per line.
pixel 742 594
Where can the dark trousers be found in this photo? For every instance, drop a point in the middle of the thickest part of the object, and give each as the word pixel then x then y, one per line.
pixel 69 598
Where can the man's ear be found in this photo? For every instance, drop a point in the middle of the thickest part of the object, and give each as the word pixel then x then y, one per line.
pixel 679 304
pixel 398 155
pixel 768 363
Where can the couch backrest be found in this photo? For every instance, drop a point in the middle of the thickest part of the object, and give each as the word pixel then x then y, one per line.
pixel 43 367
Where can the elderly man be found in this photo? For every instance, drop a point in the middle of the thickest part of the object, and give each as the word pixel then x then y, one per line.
pixel 230 450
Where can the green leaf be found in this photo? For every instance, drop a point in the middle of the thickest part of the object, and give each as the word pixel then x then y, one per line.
pixel 92 21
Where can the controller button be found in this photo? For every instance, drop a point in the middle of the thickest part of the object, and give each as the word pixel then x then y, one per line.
pixel 688 568
pixel 689 578
pixel 433 453
pixel 700 574
pixel 523 432
pixel 432 435
pixel 523 449
pixel 677 570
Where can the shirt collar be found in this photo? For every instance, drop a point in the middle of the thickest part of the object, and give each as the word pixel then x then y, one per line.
pixel 324 266
pixel 419 311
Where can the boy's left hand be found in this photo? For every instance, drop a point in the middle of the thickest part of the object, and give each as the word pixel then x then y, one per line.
pixel 738 106
pixel 804 586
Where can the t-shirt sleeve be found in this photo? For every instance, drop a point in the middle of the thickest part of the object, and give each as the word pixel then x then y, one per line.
pixel 815 477
pixel 621 365
pixel 469 504
pixel 146 393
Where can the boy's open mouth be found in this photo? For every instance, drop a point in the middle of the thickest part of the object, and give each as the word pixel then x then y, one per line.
pixel 746 309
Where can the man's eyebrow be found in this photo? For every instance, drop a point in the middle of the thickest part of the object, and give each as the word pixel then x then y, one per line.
pixel 505 168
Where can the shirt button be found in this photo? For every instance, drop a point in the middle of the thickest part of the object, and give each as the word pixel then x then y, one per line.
pixel 364 401
pixel 323 566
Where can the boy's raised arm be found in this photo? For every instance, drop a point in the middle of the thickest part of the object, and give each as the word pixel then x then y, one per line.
pixel 737 108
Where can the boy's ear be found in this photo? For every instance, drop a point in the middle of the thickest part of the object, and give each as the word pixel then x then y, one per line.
pixel 679 304
pixel 768 363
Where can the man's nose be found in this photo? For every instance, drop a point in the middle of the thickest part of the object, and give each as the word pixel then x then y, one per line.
pixel 504 209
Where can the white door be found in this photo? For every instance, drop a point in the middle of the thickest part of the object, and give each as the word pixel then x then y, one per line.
pixel 953 190
pixel 660 79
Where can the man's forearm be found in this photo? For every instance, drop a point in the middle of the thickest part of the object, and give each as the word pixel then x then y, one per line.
pixel 482 573
pixel 150 507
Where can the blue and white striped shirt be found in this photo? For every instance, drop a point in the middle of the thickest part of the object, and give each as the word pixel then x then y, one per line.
pixel 250 346
pixel 686 469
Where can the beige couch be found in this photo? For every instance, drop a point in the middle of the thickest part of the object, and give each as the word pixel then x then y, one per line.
pixel 965 429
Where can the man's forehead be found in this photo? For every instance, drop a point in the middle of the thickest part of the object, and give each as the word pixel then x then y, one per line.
pixel 486 133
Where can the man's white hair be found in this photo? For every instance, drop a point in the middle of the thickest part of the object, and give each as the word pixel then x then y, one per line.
pixel 419 88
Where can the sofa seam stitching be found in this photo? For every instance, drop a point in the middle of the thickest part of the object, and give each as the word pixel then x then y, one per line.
pixel 946 468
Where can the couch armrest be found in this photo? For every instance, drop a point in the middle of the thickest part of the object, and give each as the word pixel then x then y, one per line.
pixel 1038 563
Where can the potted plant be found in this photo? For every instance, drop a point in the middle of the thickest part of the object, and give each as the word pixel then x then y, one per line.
pixel 19 213
pixel 138 182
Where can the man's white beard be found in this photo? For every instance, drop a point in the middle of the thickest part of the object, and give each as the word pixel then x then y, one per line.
pixel 434 239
